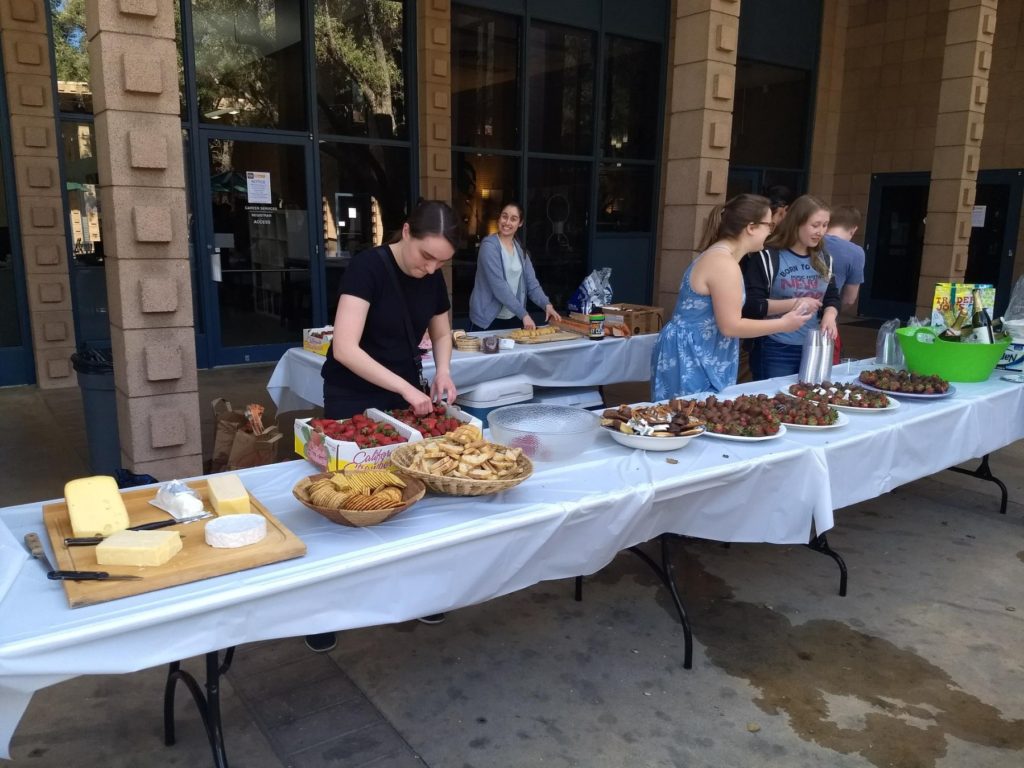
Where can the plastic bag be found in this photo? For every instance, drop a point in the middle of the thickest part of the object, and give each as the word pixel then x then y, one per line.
pixel 887 348
pixel 179 499
pixel 594 291
pixel 1015 309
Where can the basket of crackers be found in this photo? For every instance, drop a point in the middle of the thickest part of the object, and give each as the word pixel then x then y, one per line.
pixel 359 497
pixel 462 463
pixel 466 343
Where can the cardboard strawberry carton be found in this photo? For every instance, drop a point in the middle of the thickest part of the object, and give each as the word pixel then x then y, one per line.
pixel 443 419
pixel 368 446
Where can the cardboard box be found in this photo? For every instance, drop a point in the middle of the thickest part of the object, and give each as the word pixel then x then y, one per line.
pixel 949 298
pixel 637 317
pixel 459 415
pixel 330 455
pixel 318 340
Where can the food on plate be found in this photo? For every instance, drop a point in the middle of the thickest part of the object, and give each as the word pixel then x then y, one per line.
pixel 140 548
pixel 227 495
pixel 803 412
pixel 465 454
pixel 849 395
pixel 904 381
pixel 434 424
pixel 673 419
pixel 359 490
pixel 746 416
pixel 533 333
pixel 95 506
pixel 360 429
pixel 236 531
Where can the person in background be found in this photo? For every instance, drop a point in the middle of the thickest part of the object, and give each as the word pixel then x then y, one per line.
pixel 779 198
pixel 794 267
pixel 505 279
pixel 697 349
pixel 847 261
pixel 390 296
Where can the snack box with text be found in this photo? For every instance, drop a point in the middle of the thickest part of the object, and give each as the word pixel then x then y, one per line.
pixel 332 455
pixel 318 340
pixel 949 298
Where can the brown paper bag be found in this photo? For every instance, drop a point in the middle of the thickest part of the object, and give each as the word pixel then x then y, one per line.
pixel 234 444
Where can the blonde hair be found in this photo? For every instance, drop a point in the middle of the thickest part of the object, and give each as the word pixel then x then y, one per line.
pixel 729 220
pixel 787 234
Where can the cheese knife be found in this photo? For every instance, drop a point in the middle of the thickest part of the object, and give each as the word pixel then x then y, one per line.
pixel 85 541
pixel 35 548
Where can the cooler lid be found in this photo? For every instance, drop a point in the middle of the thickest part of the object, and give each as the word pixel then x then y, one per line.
pixel 512 389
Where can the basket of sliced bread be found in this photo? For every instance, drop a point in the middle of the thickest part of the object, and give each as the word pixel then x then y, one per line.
pixel 462 463
pixel 359 497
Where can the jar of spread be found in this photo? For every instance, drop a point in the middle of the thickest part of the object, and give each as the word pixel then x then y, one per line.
pixel 596 327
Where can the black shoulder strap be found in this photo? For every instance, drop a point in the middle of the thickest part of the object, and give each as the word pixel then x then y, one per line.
pixel 414 344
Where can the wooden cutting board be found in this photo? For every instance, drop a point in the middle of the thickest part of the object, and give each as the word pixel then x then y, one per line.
pixel 196 560
pixel 557 336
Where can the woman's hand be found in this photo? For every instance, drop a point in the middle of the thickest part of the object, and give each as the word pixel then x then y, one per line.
pixel 810 304
pixel 828 325
pixel 796 317
pixel 528 323
pixel 442 387
pixel 550 315
pixel 420 403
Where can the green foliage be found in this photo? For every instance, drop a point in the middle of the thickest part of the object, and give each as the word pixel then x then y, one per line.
pixel 69 43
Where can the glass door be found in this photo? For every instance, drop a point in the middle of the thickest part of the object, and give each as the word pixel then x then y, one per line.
pixel 262 270
pixel 15 340
pixel 996 220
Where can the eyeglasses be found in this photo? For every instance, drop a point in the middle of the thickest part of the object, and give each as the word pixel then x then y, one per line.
pixel 769 224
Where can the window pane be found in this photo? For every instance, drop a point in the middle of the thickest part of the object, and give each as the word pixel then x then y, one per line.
pixel 249 63
pixel 631 96
pixel 482 186
pixel 364 199
pixel 360 67
pixel 71 56
pixel 556 225
pixel 10 325
pixel 769 126
pixel 81 177
pixel 485 79
pixel 561 89
pixel 624 198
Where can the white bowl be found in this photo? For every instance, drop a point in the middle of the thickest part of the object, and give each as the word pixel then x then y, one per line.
pixel 650 443
pixel 545 432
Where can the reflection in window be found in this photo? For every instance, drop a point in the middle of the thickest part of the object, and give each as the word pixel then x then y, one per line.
pixel 249 63
pixel 557 223
pixel 482 186
pixel 561 89
pixel 81 178
pixel 632 84
pixel 360 83
pixel 624 198
pixel 485 79
pixel 71 56
pixel 770 119
pixel 364 196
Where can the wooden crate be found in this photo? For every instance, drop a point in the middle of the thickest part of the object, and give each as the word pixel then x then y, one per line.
pixel 637 317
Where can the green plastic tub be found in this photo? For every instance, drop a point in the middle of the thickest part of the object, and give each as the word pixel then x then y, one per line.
pixel 951 360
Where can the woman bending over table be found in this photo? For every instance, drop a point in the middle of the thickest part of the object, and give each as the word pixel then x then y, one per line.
pixel 698 348
pixel 794 267
pixel 504 280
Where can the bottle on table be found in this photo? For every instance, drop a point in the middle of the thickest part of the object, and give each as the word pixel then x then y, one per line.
pixel 952 333
pixel 981 322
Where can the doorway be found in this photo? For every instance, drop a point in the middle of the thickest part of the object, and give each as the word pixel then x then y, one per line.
pixel 261 276
pixel 996 220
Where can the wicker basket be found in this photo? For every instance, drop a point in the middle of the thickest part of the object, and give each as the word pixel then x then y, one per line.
pixel 358 518
pixel 457 486
pixel 468 344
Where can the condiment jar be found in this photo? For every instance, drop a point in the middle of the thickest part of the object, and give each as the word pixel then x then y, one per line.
pixel 596 327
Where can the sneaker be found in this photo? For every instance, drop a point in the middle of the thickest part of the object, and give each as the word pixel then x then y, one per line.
pixel 321 643
pixel 434 618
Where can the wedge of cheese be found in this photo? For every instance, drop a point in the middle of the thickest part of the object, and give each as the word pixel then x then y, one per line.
pixel 138 548
pixel 95 506
pixel 228 496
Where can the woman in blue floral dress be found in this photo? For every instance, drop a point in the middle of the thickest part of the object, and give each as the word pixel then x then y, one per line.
pixel 698 348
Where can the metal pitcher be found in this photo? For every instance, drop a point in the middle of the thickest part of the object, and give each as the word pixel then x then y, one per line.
pixel 816 358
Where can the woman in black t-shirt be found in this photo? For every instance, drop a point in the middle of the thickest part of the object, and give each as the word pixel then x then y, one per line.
pixel 390 296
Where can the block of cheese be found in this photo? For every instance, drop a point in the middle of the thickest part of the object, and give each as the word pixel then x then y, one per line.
pixel 228 496
pixel 236 531
pixel 95 506
pixel 138 548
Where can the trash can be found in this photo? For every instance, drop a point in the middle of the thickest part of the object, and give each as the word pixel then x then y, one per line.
pixel 95 369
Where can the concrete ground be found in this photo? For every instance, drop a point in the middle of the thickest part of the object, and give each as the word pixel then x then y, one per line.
pixel 920 665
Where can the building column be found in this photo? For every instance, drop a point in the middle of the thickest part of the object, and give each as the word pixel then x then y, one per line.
pixel 35 146
pixel 698 136
pixel 434 57
pixel 828 99
pixel 133 61
pixel 960 124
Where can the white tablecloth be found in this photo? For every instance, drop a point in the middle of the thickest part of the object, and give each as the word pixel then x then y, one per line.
pixel 444 553
pixel 296 383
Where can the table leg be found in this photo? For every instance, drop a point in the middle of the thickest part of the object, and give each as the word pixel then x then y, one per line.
pixel 579 589
pixel 984 472
pixel 666 573
pixel 208 704
pixel 820 544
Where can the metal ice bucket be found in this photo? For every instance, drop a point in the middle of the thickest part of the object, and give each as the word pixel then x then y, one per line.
pixel 816 358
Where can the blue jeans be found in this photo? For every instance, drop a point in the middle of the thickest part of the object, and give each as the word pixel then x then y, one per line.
pixel 769 359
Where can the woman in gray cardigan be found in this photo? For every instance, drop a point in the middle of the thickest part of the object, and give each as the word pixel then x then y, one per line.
pixel 504 280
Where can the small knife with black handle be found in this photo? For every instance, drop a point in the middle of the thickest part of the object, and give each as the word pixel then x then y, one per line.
pixel 35 548
pixel 87 541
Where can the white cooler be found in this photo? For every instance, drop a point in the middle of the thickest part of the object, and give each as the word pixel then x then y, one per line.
pixel 485 397
pixel 577 397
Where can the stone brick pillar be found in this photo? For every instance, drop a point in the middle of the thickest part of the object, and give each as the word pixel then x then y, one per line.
pixel 35 146
pixel 699 132
pixel 133 60
pixel 434 51
pixel 967 59
pixel 828 99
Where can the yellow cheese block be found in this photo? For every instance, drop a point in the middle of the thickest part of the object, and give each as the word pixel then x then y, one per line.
pixel 228 496
pixel 95 506
pixel 138 548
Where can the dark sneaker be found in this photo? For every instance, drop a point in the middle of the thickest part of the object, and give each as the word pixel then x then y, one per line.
pixel 434 618
pixel 321 643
